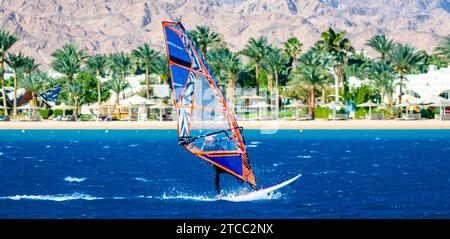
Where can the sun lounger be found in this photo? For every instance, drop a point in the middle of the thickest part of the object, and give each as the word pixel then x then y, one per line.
pixel 86 117
pixel 5 118
pixel 338 117
pixel 301 117
pixel 105 117
pixel 375 117
pixel 34 118
pixel 443 117
pixel 412 116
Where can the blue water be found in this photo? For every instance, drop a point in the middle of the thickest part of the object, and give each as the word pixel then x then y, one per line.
pixel 145 174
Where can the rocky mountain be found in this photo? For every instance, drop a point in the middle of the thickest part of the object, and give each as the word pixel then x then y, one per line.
pixel 121 25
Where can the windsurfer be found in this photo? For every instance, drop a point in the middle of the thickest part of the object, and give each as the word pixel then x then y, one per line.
pixel 212 143
pixel 217 179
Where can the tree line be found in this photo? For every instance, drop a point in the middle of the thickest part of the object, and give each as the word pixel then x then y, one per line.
pixel 283 69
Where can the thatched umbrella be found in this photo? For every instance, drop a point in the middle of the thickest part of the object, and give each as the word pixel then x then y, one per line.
pixel 369 104
pixel 405 104
pixel 334 105
pixel 30 109
pixel 260 105
pixel 64 107
pixel 440 102
pixel 295 105
pixel 161 106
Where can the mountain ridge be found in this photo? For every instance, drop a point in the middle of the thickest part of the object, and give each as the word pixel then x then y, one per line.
pixel 105 26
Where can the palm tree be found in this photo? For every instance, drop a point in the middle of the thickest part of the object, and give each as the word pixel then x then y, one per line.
pixel 6 42
pixel 340 47
pixel 403 59
pixel 97 64
pixel 256 50
pixel 225 64
pixel 162 68
pixel 68 61
pixel 382 76
pixel 120 63
pixel 311 77
pixel 71 50
pixel 145 57
pixel 293 48
pixel 76 87
pixel 313 73
pixel 34 83
pixel 381 44
pixel 29 65
pixel 117 85
pixel 275 62
pixel 443 49
pixel 204 38
pixel 216 59
pixel 16 62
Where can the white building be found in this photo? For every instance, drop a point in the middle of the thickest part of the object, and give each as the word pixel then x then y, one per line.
pixel 434 82
pixel 424 86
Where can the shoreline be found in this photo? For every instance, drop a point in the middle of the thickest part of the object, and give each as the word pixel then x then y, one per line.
pixel 255 125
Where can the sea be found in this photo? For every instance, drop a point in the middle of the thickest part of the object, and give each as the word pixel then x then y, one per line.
pixel 125 174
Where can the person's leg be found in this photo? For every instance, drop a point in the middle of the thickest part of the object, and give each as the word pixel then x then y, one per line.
pixel 241 182
pixel 217 182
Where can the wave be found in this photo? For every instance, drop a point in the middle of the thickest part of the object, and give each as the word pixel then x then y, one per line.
pixel 232 197
pixel 189 197
pixel 142 180
pixel 255 142
pixel 56 197
pixel 304 156
pixel 73 179
pixel 253 197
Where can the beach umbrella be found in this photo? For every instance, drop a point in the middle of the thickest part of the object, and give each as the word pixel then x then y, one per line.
pixel 440 102
pixel 99 107
pixel 369 104
pixel 334 105
pixel 95 106
pixel 252 97
pixel 137 100
pixel 405 104
pixel 161 106
pixel 295 105
pixel 30 109
pixel 260 105
pixel 63 107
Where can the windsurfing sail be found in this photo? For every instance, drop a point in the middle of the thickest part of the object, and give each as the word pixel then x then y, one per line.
pixel 207 126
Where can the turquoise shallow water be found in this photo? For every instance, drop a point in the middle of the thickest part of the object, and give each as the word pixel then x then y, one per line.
pixel 145 174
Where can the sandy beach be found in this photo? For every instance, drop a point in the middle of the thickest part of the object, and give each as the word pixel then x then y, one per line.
pixel 263 125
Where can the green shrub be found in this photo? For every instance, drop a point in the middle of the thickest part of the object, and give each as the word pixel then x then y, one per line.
pixel 427 114
pixel 385 112
pixel 361 113
pixel 57 112
pixel 322 113
pixel 45 113
pixel 286 114
pixel 86 117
